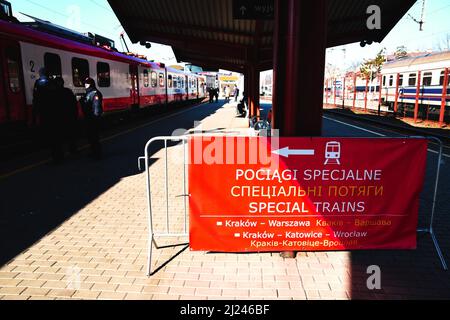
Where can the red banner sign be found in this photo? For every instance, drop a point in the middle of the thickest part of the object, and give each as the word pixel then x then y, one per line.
pixel 304 194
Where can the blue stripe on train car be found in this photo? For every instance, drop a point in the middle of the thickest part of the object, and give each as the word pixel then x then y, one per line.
pixel 363 88
pixel 424 91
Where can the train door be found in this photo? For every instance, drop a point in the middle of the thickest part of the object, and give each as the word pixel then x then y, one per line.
pixel 12 97
pixel 134 92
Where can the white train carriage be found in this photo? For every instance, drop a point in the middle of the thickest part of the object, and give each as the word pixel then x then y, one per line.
pixel 152 84
pixel 421 77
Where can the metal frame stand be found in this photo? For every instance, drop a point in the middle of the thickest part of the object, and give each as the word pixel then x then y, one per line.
pixel 152 234
pixel 430 229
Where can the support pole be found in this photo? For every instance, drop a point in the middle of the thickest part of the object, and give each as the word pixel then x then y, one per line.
pixel 354 91
pixel 343 94
pixel 416 107
pixel 379 94
pixel 396 94
pixel 365 95
pixel 444 97
pixel 299 64
pixel 334 91
pixel 249 91
pixel 254 96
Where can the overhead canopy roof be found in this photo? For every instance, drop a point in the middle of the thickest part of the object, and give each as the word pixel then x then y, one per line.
pixel 204 32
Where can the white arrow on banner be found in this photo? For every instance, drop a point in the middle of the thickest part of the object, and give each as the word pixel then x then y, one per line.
pixel 243 9
pixel 286 152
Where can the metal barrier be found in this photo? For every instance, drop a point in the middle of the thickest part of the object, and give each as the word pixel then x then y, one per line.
pixel 430 229
pixel 185 233
pixel 168 233
pixel 146 159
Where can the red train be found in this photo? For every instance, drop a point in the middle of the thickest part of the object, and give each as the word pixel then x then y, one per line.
pixel 126 81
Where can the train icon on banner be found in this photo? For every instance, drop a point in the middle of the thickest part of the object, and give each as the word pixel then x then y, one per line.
pixel 333 153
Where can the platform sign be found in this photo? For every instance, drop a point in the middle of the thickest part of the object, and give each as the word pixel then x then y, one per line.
pixel 304 194
pixel 253 9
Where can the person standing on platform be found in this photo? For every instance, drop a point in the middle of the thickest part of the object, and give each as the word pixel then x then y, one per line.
pixel 216 94
pixel 92 105
pixel 41 97
pixel 69 122
pixel 236 93
pixel 211 95
pixel 47 114
pixel 227 93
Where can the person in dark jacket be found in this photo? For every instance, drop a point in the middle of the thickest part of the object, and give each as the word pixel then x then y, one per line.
pixel 41 97
pixel 216 94
pixel 236 93
pixel 47 113
pixel 67 102
pixel 242 107
pixel 211 95
pixel 92 105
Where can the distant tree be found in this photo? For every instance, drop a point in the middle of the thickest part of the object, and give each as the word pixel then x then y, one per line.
pixel 355 65
pixel 372 67
pixel 332 71
pixel 401 52
pixel 443 43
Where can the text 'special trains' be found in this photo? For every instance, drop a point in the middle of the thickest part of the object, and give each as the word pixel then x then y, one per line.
pixel 126 81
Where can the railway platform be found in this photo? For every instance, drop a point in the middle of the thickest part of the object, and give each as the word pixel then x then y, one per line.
pixel 79 231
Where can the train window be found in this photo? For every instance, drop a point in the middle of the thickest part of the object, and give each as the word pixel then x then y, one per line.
pixel 161 80
pixel 103 74
pixel 412 79
pixel 400 80
pixel 13 70
pixel 52 63
pixel 80 71
pixel 154 79
pixel 169 81
pixel 391 81
pixel 175 82
pixel 426 80
pixel 441 79
pixel 146 79
pixel 384 81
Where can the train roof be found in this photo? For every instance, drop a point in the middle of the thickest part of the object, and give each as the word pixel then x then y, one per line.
pixel 175 70
pixel 22 33
pixel 423 59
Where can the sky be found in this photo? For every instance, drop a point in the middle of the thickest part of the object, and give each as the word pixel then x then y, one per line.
pixel 97 16
pixel 435 35
pixel 94 16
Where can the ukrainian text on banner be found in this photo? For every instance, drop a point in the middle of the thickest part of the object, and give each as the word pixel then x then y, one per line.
pixel 304 194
